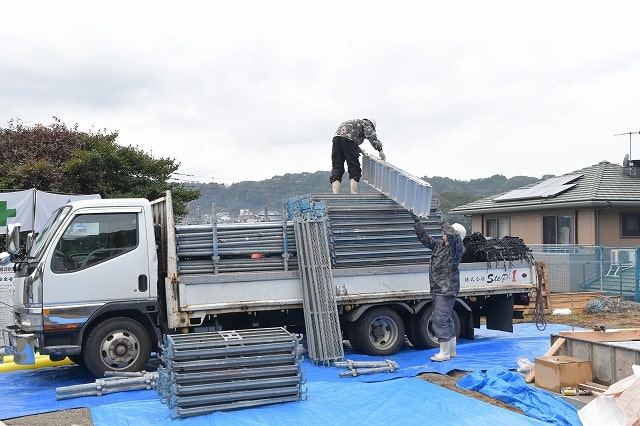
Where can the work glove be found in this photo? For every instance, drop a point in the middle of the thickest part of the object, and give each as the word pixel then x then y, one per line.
pixel 415 217
pixel 382 156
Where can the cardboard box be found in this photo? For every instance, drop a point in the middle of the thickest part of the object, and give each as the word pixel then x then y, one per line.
pixel 555 372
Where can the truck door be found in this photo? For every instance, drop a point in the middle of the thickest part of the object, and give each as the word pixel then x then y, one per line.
pixel 99 257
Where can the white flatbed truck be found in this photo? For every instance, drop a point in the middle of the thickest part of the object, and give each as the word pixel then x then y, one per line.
pixel 106 278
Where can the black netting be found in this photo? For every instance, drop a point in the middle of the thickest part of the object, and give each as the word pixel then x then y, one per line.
pixel 479 249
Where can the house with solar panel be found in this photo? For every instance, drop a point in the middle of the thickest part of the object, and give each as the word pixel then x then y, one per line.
pixel 597 205
pixel 589 218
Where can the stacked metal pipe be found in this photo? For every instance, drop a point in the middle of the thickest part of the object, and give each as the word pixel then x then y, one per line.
pixel 117 382
pixel 370 229
pixel 225 370
pixel 324 338
pixel 235 247
pixel 358 368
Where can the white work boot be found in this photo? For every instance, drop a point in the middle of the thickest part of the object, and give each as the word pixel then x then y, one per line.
pixel 452 348
pixel 443 355
pixel 335 186
pixel 354 186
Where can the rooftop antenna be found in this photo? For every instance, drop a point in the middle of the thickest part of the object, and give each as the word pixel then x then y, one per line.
pixel 628 133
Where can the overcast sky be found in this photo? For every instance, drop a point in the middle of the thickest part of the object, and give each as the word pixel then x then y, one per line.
pixel 246 90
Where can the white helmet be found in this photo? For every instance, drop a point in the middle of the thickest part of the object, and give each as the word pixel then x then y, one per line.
pixel 373 121
pixel 460 230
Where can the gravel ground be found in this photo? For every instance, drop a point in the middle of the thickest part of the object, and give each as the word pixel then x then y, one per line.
pixel 82 416
pixel 78 416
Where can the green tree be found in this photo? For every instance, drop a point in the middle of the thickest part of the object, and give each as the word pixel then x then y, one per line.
pixel 60 159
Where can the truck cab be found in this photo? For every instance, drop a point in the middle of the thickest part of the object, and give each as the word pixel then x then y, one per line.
pixel 69 294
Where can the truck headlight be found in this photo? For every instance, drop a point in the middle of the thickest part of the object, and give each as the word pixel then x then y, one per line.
pixel 30 321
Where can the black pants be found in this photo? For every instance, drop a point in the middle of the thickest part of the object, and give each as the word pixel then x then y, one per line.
pixel 345 150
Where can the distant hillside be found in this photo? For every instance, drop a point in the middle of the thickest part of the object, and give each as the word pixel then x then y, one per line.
pixel 273 193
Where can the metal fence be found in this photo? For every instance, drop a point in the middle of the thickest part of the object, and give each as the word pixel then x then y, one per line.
pixel 576 268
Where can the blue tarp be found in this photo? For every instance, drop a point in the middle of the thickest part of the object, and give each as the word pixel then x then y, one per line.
pixel 405 401
pixel 509 387
pixel 28 392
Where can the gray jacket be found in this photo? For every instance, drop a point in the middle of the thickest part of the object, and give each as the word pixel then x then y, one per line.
pixel 444 271
pixel 358 130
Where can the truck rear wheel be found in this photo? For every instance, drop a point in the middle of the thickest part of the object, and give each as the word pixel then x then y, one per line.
pixel 380 331
pixel 117 344
pixel 421 333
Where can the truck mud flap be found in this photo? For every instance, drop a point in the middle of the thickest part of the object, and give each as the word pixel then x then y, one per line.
pixel 499 312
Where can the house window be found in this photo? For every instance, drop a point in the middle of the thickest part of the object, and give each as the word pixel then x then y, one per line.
pixel 557 229
pixel 497 227
pixel 630 225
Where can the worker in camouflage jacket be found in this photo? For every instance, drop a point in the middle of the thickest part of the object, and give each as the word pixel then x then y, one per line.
pixel 346 147
pixel 444 281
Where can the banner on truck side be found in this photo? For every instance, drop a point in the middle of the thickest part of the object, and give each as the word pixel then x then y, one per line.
pixel 31 208
pixel 6 298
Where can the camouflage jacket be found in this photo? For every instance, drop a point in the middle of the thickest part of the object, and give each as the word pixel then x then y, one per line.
pixel 358 130
pixel 444 271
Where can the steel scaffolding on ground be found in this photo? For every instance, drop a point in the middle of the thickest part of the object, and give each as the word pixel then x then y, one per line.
pixel 224 370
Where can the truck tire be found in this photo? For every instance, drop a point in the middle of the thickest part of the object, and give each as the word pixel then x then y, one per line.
pixel 380 331
pixel 117 344
pixel 421 331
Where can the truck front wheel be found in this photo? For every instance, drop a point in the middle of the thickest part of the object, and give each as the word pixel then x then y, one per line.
pixel 117 344
pixel 380 331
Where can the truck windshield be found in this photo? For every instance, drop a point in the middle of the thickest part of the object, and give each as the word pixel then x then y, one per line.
pixel 49 229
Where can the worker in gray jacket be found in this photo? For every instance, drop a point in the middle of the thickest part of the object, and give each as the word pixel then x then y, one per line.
pixel 346 147
pixel 444 280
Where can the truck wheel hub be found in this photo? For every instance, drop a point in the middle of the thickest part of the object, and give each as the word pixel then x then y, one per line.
pixel 379 330
pixel 120 349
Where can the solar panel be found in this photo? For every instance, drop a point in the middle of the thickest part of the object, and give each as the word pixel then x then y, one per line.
pixel 545 189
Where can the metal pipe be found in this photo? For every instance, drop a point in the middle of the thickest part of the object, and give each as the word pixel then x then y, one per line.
pixel 207 409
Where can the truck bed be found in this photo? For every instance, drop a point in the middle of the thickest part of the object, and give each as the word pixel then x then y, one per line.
pixel 375 258
pixel 255 291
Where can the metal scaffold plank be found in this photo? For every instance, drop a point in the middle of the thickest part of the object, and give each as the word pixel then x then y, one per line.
pixel 407 190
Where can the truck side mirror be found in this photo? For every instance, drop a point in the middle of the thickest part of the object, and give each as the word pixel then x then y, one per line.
pixel 13 237
pixel 31 237
pixel 5 258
